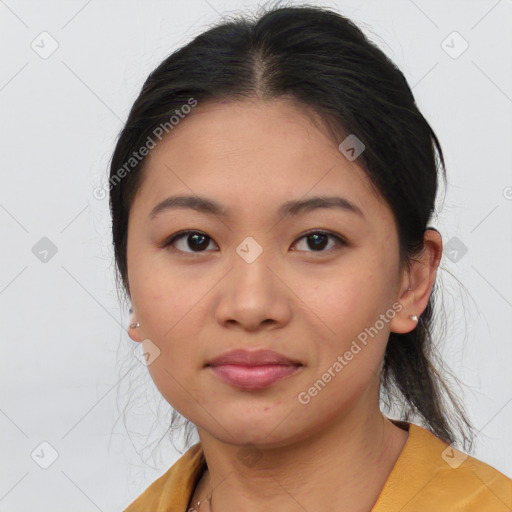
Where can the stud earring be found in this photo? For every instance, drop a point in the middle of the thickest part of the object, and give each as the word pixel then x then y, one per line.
pixel 414 318
pixel 134 325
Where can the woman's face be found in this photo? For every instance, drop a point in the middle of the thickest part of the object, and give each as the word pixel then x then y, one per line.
pixel 252 278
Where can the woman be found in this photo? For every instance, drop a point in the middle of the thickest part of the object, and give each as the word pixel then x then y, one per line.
pixel 271 194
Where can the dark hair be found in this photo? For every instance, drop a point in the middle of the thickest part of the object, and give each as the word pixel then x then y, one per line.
pixel 323 62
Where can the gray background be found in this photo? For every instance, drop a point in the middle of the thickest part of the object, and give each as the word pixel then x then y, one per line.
pixel 67 368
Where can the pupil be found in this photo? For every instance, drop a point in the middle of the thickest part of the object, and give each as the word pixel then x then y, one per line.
pixel 318 238
pixel 201 245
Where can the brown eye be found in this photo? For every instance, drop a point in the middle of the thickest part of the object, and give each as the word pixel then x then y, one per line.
pixel 189 241
pixel 317 241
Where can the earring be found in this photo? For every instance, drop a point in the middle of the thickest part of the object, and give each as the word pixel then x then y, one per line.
pixel 134 325
pixel 414 318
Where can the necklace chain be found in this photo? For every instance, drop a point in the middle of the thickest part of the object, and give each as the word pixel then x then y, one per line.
pixel 208 500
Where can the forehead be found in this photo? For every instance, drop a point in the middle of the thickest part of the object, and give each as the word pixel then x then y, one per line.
pixel 253 154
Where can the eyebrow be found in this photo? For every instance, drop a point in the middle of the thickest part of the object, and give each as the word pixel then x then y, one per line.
pixel 293 207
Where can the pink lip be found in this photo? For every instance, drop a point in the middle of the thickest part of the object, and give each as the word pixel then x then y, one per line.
pixel 253 377
pixel 256 369
pixel 252 358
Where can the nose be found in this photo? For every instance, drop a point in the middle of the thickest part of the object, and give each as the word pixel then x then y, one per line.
pixel 254 296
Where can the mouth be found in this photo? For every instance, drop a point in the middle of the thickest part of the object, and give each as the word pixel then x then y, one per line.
pixel 262 357
pixel 250 370
pixel 252 377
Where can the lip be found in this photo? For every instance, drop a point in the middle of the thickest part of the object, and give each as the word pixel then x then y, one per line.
pixel 254 377
pixel 253 358
pixel 257 369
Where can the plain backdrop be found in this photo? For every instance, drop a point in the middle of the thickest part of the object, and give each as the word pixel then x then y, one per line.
pixel 70 72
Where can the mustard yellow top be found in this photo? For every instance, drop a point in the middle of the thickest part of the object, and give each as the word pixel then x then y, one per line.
pixel 428 476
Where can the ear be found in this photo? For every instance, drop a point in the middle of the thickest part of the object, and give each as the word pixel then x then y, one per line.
pixel 134 332
pixel 416 283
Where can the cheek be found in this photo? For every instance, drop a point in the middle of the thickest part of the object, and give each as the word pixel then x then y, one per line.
pixel 173 314
pixel 345 299
pixel 164 296
pixel 346 306
pixel 170 377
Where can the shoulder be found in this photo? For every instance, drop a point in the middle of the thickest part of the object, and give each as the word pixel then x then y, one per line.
pixel 468 480
pixel 173 490
pixel 430 475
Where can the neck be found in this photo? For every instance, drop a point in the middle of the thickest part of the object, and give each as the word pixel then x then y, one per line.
pixel 342 468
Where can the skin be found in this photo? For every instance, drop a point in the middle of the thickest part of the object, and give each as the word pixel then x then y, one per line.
pixel 335 452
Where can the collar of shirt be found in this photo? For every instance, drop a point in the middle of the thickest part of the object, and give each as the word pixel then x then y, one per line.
pixel 428 475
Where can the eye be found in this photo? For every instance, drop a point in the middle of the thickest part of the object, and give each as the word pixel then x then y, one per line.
pixel 198 242
pixel 317 240
pixel 194 240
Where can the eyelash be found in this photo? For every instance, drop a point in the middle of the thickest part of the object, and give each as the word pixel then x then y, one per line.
pixel 169 241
